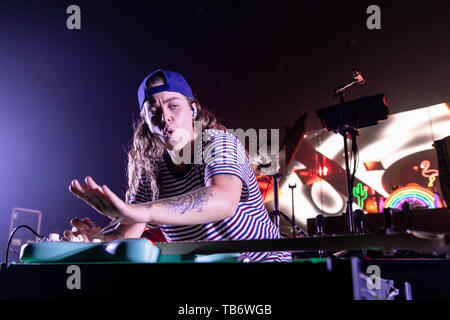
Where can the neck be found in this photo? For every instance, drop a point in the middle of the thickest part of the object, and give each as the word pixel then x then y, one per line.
pixel 181 157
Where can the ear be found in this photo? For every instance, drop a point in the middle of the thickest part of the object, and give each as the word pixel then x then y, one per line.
pixel 194 110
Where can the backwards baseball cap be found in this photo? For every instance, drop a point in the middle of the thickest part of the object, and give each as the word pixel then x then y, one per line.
pixel 174 82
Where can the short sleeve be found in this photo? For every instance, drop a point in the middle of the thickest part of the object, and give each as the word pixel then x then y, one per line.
pixel 224 154
pixel 143 193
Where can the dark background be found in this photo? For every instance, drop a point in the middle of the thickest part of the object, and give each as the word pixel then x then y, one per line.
pixel 68 97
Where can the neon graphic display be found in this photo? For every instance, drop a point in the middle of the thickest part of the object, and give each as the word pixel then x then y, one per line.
pixel 360 193
pixel 416 196
pixel 389 157
pixel 431 174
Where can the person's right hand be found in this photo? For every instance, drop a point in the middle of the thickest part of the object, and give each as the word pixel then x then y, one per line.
pixel 88 230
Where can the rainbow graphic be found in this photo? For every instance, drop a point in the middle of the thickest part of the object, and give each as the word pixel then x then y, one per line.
pixel 416 196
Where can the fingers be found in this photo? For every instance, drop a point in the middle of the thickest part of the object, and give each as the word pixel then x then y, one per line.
pixel 73 237
pixel 80 225
pixel 78 190
pixel 92 194
pixel 91 223
pixel 85 238
pixel 76 187
pixel 85 227
pixel 102 199
pixel 85 192
pixel 68 235
pixel 94 229
pixel 115 200
pixel 91 184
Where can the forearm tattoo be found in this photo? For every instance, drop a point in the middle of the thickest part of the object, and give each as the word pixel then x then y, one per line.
pixel 194 200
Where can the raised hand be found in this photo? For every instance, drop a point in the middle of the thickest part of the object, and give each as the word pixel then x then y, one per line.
pixel 105 202
pixel 95 196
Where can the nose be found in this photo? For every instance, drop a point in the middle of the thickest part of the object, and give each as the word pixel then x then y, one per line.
pixel 166 117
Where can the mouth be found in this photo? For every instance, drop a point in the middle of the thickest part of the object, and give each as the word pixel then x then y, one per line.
pixel 168 132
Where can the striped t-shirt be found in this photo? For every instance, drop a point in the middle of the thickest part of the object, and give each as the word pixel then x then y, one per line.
pixel 222 153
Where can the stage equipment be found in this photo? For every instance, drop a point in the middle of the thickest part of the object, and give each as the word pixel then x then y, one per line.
pixel 288 149
pixel 44 265
pixel 320 278
pixel 359 113
pixel 426 220
pixel 292 187
pixel 22 216
pixel 145 251
pixel 443 154
pixel 359 221
pixel 346 118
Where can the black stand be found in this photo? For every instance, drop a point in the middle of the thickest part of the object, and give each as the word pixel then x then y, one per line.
pixel 291 143
pixel 293 212
pixel 345 119
pixel 345 130
pixel 276 213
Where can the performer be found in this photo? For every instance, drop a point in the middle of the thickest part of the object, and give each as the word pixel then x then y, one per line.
pixel 192 184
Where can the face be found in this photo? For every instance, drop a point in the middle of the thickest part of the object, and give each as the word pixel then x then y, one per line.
pixel 170 117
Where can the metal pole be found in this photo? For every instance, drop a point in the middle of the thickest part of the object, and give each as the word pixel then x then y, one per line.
pixel 350 225
pixel 293 212
pixel 275 200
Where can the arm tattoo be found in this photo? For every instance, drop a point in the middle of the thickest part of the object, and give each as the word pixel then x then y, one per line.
pixel 196 199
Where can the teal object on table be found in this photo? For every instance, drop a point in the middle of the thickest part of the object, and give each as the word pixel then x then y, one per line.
pixel 124 250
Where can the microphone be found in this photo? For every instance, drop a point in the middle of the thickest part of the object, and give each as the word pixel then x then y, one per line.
pixel 358 77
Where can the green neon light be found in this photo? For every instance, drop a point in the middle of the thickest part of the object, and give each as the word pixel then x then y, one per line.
pixel 360 194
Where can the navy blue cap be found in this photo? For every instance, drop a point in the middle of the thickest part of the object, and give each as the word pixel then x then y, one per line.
pixel 174 82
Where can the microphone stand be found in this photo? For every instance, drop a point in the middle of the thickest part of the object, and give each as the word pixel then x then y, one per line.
pixel 290 145
pixel 343 130
pixel 345 118
pixel 292 187
pixel 276 213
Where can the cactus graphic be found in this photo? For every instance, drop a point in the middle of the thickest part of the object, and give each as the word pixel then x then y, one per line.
pixel 360 194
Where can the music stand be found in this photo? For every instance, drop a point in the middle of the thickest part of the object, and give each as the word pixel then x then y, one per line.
pixel 288 149
pixel 346 118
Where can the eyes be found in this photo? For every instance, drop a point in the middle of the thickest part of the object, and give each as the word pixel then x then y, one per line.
pixel 155 110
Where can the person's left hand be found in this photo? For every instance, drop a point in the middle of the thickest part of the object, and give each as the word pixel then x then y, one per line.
pixel 107 203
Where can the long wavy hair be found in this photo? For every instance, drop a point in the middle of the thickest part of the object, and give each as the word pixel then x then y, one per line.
pixel 146 150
